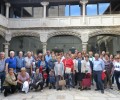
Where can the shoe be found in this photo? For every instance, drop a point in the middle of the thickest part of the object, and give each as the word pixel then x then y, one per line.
pixel 102 91
pixel 70 89
pixel 50 87
pixel 79 88
pixel 111 88
pixel 41 90
pixel 5 94
pixel 54 87
pixel 97 89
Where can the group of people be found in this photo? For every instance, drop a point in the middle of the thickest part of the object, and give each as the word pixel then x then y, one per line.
pixel 26 72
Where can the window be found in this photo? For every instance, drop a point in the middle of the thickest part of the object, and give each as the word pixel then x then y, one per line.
pixel 91 9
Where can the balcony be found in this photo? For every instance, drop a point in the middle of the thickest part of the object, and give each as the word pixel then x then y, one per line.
pixel 103 20
pixel 3 21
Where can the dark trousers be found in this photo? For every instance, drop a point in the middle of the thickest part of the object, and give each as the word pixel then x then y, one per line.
pixel 108 79
pixel 117 76
pixel 2 77
pixel 98 79
pixel 69 80
pixel 9 89
pixel 113 78
pixel 37 86
pixel 75 79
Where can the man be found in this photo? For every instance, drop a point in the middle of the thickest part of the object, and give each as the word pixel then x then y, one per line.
pixel 20 61
pixel 48 56
pixel 91 58
pixel 98 67
pixel 51 62
pixel 2 68
pixel 11 62
pixel 29 62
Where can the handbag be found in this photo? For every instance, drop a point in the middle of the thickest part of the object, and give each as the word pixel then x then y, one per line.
pixel 68 70
pixel 103 76
pixel 62 82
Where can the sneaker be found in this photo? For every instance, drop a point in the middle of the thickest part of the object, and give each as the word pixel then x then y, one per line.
pixel 5 94
pixel 97 89
pixel 70 89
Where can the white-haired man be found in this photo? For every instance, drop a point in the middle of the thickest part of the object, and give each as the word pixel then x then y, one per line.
pixel 29 62
pixel 11 62
pixel 20 61
pixel 2 68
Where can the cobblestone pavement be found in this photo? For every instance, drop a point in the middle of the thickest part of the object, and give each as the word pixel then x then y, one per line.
pixel 65 94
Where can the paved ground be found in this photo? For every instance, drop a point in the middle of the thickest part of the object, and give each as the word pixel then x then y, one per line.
pixel 74 94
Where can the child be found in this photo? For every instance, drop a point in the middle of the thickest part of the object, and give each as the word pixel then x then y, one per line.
pixel 52 79
pixel 45 76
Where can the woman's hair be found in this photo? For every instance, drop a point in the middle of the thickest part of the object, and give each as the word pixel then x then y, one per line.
pixel 23 69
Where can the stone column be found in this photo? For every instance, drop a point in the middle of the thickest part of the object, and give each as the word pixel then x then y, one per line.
pixel 7 9
pixel 84 38
pixel 84 2
pixel 44 4
pixel 6 49
pixel 84 46
pixel 44 47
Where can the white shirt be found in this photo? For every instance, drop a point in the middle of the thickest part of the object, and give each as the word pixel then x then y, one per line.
pixel 117 66
pixel 88 67
pixel 28 62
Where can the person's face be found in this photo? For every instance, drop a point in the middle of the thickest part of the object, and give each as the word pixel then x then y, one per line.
pixel 67 56
pixel 23 72
pixel 29 55
pixel 48 52
pixel 11 72
pixel 96 57
pixel 86 58
pixel 20 54
pixel 42 58
pixel 106 57
pixel 103 53
pixel 58 59
pixel 53 56
pixel 90 54
pixel 2 56
pixel 12 54
pixel 79 55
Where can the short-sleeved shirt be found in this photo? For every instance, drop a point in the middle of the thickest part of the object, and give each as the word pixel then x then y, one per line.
pixel 12 62
pixel 28 62
pixel 23 79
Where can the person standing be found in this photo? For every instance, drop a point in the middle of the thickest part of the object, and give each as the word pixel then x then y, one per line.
pixel 59 72
pixel 69 70
pixel 20 61
pixel 2 68
pixel 11 62
pixel 117 71
pixel 29 62
pixel 98 67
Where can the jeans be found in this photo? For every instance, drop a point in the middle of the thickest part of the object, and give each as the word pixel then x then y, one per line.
pixel 98 79
pixel 69 80
pixel 58 78
pixel 117 76
pixel 2 77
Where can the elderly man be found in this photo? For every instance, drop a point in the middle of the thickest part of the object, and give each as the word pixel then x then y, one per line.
pixel 11 62
pixel 98 67
pixel 2 68
pixel 29 62
pixel 20 61
pixel 48 56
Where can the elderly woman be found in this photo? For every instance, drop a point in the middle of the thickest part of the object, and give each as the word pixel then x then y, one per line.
pixel 69 70
pixel 23 80
pixel 37 80
pixel 10 82
pixel 59 71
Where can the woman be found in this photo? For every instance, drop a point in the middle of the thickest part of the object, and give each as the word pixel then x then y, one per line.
pixel 43 68
pixel 75 62
pixel 117 71
pixel 37 80
pixel 69 70
pixel 59 72
pixel 10 83
pixel 108 71
pixel 86 69
pixel 23 80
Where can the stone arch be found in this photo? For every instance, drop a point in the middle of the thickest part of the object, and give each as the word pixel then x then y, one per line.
pixel 32 34
pixel 104 32
pixel 64 33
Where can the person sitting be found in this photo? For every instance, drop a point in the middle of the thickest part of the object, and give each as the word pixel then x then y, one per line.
pixel 23 80
pixel 37 80
pixel 10 83
pixel 52 79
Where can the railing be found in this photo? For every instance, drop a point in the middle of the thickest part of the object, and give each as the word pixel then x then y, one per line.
pixel 101 20
pixel 3 21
